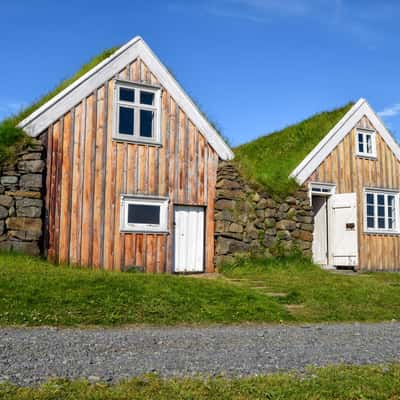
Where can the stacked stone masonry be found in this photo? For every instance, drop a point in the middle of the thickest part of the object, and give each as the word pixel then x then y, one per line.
pixel 249 221
pixel 21 200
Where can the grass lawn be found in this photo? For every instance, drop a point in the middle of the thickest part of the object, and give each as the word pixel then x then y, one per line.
pixel 314 295
pixel 340 383
pixel 35 292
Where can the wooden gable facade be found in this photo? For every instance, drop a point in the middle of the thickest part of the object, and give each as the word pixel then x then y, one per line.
pixel 350 173
pixel 88 171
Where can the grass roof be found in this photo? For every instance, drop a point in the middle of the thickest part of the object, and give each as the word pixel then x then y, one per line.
pixel 269 160
pixel 12 138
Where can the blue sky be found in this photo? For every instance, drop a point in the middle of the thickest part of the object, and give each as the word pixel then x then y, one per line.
pixel 254 66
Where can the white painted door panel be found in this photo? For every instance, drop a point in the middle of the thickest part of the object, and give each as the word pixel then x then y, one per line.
pixel 344 229
pixel 189 239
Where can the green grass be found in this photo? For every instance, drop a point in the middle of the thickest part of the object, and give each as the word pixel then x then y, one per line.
pixel 34 292
pixel 269 160
pixel 12 138
pixel 318 295
pixel 339 382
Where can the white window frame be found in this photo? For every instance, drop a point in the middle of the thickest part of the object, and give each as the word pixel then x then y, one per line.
pixel 162 202
pixel 323 189
pixel 136 106
pixel 320 189
pixel 365 133
pixel 395 230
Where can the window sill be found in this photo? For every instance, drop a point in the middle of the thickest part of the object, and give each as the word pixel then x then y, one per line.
pixel 366 156
pixel 382 233
pixel 142 231
pixel 137 141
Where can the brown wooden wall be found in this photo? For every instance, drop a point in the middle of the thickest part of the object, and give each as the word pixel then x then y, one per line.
pixel 352 174
pixel 87 171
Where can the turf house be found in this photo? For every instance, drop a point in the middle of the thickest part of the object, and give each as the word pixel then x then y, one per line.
pixel 130 171
pixel 343 166
pixel 119 169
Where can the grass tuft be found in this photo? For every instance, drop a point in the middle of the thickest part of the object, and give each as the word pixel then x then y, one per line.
pixel 269 160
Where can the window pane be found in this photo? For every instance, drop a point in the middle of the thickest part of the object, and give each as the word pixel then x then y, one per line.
pixel 143 214
pixel 381 223
pixel 381 199
pixel 381 211
pixel 370 198
pixel 390 223
pixel 369 144
pixel 370 223
pixel 370 211
pixel 390 200
pixel 316 189
pixel 146 123
pixel 360 143
pixel 126 94
pixel 390 212
pixel 146 98
pixel 126 120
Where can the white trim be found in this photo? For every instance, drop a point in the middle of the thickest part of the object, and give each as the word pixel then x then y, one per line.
pixel 49 112
pixel 137 107
pixel 304 170
pixel 382 191
pixel 323 189
pixel 322 185
pixel 162 202
pixel 364 133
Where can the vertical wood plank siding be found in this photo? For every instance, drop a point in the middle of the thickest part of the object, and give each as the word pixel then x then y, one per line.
pixel 353 174
pixel 87 172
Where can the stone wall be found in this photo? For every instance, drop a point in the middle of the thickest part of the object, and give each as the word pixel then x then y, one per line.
pixel 21 200
pixel 250 221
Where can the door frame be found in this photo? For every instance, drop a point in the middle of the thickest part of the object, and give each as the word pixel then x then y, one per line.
pixel 321 189
pixel 204 208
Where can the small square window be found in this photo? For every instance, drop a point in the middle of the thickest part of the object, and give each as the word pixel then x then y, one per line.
pixel 144 214
pixel 365 143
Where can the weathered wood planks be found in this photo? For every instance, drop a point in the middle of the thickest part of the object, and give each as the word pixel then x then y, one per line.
pixel 88 171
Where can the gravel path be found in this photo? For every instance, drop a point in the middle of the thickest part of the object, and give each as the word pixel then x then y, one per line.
pixel 29 356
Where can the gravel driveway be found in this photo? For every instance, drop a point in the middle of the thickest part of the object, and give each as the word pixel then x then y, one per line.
pixel 28 356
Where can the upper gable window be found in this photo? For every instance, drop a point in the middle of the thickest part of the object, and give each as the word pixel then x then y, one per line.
pixel 365 143
pixel 137 112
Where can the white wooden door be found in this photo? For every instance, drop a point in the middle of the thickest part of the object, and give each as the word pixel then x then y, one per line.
pixel 344 229
pixel 189 239
pixel 320 236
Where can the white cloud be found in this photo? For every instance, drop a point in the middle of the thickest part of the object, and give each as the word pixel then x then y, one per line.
pixel 390 111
